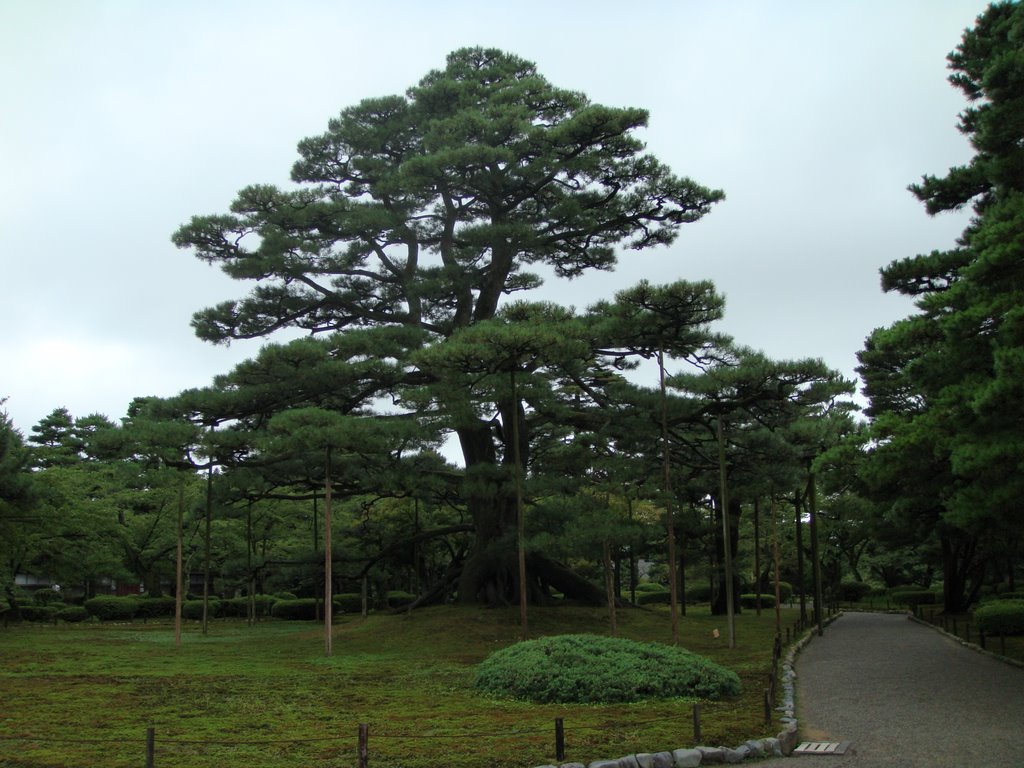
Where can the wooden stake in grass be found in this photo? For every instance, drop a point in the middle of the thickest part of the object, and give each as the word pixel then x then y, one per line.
pixel 609 584
pixel 520 522
pixel 726 545
pixel 178 568
pixel 775 557
pixel 673 589
pixel 328 598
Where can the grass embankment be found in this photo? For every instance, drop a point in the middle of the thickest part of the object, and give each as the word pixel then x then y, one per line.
pixel 410 677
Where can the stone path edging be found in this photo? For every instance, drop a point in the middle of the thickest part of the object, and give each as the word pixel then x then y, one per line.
pixel 779 746
pixel 971 646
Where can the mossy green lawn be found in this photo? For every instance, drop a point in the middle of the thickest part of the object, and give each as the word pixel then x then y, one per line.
pixel 94 689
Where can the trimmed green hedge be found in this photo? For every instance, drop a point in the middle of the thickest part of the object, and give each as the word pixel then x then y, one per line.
pixel 853 591
pixel 348 602
pixel 238 607
pixel 750 600
pixel 398 599
pixel 73 614
pixel 651 586
pixel 913 597
pixel 652 597
pixel 193 609
pixel 155 607
pixel 591 669
pixel 698 593
pixel 47 597
pixel 1002 617
pixel 110 608
pixel 300 609
pixel 40 613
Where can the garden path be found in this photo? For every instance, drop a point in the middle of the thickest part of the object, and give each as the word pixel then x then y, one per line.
pixel 906 696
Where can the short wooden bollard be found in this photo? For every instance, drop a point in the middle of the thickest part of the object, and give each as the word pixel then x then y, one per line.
pixel 364 745
pixel 696 723
pixel 150 747
pixel 767 706
pixel 981 639
pixel 787 635
pixel 559 739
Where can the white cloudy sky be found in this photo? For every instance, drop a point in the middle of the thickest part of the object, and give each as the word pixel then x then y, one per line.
pixel 120 119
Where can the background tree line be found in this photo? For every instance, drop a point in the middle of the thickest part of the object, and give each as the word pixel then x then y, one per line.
pixel 590 439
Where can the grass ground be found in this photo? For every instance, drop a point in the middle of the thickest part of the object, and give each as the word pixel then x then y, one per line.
pixel 267 696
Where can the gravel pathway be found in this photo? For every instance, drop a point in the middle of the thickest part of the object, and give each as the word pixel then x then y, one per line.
pixel 906 696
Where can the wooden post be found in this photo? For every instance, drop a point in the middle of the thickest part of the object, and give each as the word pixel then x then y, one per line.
pixel 328 560
pixel 559 739
pixel 767 706
pixel 364 746
pixel 150 747
pixel 775 559
pixel 178 570
pixel 696 723
pixel 673 580
pixel 524 625
pixel 819 607
pixel 757 556
pixel 730 611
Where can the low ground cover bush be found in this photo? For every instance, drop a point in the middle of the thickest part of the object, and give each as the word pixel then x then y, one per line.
pixel 1001 617
pixel 588 669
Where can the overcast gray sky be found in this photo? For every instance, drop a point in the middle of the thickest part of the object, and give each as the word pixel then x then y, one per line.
pixel 119 120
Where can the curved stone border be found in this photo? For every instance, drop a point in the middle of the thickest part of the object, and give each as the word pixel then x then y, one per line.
pixel 780 746
pixel 971 646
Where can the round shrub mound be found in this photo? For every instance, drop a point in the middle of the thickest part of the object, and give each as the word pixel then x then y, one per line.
pixel 750 600
pixel 1002 617
pixel 590 669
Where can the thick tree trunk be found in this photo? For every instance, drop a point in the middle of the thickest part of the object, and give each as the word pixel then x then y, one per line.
pixel 490 573
pixel 962 571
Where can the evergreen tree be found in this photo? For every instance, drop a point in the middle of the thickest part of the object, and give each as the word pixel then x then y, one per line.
pixel 422 211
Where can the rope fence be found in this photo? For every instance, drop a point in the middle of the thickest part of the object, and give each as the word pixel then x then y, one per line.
pixel 150 741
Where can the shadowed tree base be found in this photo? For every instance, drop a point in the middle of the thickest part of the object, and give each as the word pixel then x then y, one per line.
pixel 494 581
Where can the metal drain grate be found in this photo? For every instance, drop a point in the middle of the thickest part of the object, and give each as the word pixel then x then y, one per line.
pixel 822 748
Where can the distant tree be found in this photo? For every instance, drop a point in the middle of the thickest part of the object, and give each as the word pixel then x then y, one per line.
pixel 945 384
pixel 422 211
pixel 17 493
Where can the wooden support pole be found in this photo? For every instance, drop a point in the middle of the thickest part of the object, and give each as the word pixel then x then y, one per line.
pixel 559 739
pixel 696 724
pixel 364 745
pixel 150 747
